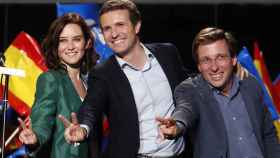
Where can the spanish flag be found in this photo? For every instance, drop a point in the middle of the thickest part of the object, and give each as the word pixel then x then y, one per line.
pixel 24 53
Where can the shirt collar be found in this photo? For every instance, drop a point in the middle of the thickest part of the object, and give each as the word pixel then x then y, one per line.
pixel 124 63
pixel 233 90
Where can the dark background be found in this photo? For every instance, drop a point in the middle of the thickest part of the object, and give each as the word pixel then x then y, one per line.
pixel 176 23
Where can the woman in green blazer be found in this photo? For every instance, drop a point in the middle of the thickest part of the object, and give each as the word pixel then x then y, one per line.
pixel 69 55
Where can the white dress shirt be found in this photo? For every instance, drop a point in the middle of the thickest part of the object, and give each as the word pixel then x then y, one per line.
pixel 153 97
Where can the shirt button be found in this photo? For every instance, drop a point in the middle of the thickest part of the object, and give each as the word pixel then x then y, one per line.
pixel 240 138
pixel 233 118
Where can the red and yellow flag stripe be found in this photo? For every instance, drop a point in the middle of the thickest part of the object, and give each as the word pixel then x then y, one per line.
pixel 24 53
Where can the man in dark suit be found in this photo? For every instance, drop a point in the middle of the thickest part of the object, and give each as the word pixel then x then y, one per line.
pixel 132 88
pixel 225 115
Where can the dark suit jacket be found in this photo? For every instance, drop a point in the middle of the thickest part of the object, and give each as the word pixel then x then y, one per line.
pixel 199 111
pixel 110 92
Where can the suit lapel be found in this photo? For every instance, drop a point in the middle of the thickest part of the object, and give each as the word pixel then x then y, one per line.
pixel 70 92
pixel 123 100
pixel 249 104
pixel 165 63
pixel 121 84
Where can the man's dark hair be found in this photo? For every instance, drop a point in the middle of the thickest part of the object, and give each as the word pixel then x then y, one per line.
pixel 210 35
pixel 111 5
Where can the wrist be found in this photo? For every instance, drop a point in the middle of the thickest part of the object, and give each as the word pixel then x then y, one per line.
pixel 180 128
pixel 84 131
pixel 87 130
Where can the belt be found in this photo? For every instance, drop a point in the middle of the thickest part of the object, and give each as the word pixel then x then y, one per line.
pixel 148 156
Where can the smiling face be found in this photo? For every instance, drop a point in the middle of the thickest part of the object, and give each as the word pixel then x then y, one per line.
pixel 216 65
pixel 72 45
pixel 119 32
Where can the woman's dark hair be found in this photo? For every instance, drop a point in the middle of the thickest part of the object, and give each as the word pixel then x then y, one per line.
pixel 51 42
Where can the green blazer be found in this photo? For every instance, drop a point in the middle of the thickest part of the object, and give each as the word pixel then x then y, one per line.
pixel 55 94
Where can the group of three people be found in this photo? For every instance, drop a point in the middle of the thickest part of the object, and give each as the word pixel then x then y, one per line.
pixel 220 113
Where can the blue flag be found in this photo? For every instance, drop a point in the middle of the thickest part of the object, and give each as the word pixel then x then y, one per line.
pixel 89 11
pixel 246 61
pixel 22 151
pixel 11 115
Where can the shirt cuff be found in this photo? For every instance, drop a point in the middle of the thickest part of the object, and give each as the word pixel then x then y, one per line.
pixel 86 127
pixel 181 127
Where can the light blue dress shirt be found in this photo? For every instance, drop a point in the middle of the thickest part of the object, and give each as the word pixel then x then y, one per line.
pixel 153 97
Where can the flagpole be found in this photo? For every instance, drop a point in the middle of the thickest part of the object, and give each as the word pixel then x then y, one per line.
pixel 7 72
pixel 5 104
pixel 12 136
pixel 16 131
